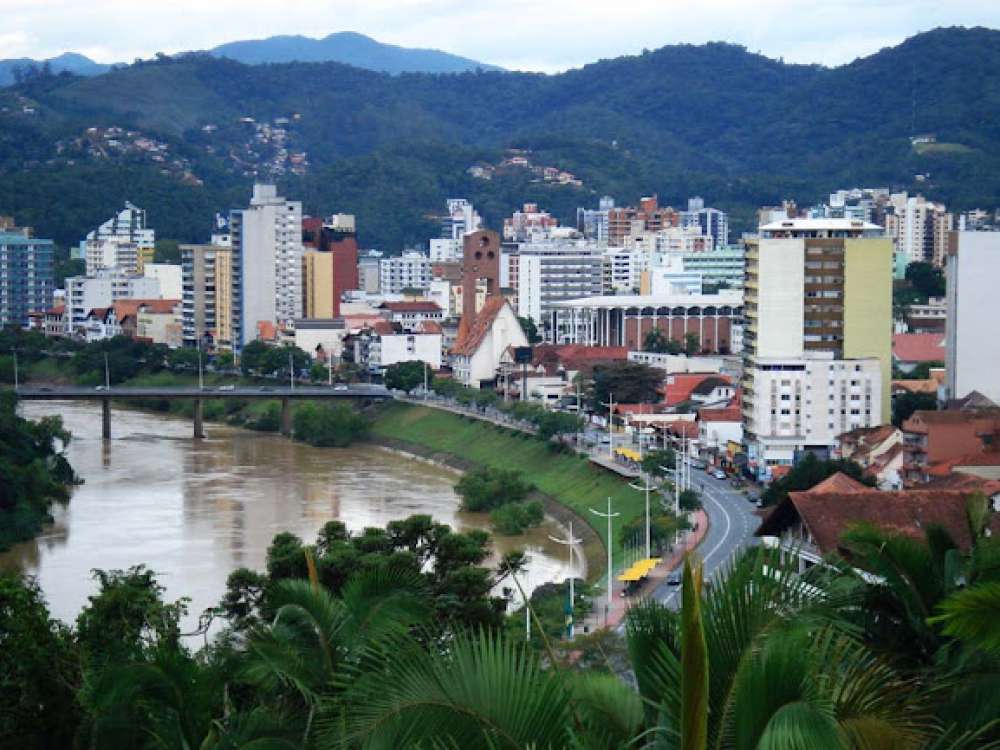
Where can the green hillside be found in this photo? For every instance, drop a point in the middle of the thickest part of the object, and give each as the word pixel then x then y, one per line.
pixel 738 128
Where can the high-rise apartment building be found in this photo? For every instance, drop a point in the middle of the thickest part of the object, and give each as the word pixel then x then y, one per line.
pixel 206 299
pixel 817 336
pixel 530 222
pixel 554 271
pixel 411 270
pixel 710 221
pixel 123 241
pixel 27 278
pixel 460 219
pixel 919 228
pixel 267 263
pixel 972 345
pixel 593 223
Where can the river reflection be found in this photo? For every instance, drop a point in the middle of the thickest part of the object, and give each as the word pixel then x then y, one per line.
pixel 194 511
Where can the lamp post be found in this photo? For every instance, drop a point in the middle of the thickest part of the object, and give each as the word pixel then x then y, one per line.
pixel 201 380
pixel 611 437
pixel 646 487
pixel 107 373
pixel 291 371
pixel 609 515
pixel 569 542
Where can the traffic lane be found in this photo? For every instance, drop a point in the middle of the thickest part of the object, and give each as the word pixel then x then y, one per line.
pixel 731 527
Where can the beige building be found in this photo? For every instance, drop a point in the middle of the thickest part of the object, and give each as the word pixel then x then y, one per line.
pixel 919 228
pixel 207 299
pixel 817 340
pixel 159 321
pixel 317 285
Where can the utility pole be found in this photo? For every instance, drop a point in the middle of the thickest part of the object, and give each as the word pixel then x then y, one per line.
pixel 569 542
pixel 610 545
pixel 291 371
pixel 201 380
pixel 611 438
pixel 646 487
pixel 425 381
pixel 107 373
pixel 329 369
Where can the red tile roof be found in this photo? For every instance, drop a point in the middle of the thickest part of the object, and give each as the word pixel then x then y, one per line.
pixel 727 414
pixel 918 347
pixel 839 483
pixel 403 307
pixel 383 328
pixel 574 357
pixel 828 515
pixel 160 306
pixel 679 386
pixel 428 326
pixel 468 345
pixel 266 330
pixel 57 310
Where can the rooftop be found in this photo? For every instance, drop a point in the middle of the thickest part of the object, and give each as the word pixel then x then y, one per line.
pixel 820 225
pixel 728 297
pixel 918 347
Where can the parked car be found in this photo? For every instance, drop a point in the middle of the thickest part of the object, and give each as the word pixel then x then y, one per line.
pixel 719 474
pixel 340 387
pixel 674 579
pixel 227 387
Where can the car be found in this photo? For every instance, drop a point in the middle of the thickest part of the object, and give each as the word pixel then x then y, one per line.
pixel 719 474
pixel 227 387
pixel 674 579
pixel 340 388
pixel 266 388
pixel 753 499
pixel 101 388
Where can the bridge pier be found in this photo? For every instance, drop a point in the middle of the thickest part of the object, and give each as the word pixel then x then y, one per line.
pixel 106 418
pixel 199 416
pixel 286 417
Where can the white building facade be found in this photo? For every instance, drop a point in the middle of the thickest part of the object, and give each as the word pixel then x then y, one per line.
pixel 411 270
pixel 84 293
pixel 266 263
pixel 972 343
pixel 123 241
pixel 553 272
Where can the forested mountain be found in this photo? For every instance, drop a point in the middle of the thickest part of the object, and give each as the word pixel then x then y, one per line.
pixel 347 47
pixel 184 136
pixel 70 62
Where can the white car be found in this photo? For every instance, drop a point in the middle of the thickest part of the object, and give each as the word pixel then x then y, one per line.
pixel 719 474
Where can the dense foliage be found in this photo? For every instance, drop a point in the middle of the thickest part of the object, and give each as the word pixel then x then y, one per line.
pixel 626 382
pixel 714 120
pixel 807 473
pixel 405 376
pixel 376 641
pixel 34 474
pixel 904 404
pixel 323 425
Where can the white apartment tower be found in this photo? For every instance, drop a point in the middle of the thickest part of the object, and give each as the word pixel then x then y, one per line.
pixel 267 251
pixel 919 228
pixel 123 241
pixel 556 271
pixel 972 344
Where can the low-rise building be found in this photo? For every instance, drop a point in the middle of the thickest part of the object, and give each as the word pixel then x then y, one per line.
pixel 912 349
pixel 323 339
pixel 54 321
pixel 878 450
pixel 934 440
pixel 409 314
pixel 384 344
pixel 85 293
pixel 159 321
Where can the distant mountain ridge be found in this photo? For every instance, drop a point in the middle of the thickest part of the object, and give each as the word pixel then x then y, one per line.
pixel 68 61
pixel 350 48
pixel 347 47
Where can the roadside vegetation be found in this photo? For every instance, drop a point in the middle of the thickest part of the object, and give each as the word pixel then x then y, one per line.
pixel 503 494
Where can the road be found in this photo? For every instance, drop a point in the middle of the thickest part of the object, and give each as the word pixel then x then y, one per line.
pixel 56 393
pixel 731 524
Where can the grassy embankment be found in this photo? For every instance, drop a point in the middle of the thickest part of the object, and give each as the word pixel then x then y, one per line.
pixel 567 478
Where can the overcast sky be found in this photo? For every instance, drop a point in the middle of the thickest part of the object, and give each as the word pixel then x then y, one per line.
pixel 547 35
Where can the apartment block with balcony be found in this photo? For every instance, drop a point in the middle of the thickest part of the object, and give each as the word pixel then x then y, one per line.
pixel 27 277
pixel 552 272
pixel 206 301
pixel 817 337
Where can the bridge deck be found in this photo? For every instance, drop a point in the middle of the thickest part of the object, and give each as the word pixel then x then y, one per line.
pixel 74 393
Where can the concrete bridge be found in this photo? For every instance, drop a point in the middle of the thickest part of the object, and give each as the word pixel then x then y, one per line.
pixel 284 394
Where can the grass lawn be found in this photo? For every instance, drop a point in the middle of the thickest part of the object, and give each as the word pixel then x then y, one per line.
pixel 568 478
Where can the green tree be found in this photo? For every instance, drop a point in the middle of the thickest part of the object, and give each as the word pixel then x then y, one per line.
pixel 692 344
pixel 530 329
pixel 690 500
pixel 327 426
pixel 183 358
pixel 657 342
pixel 511 519
pixel 904 404
pixel 925 279
pixel 630 382
pixel 405 376
pixel 486 488
pixel 809 472
pixel 653 462
pixel 556 424
pixel 167 251
pixel 38 670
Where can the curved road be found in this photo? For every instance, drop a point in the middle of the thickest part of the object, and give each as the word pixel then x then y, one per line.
pixel 731 524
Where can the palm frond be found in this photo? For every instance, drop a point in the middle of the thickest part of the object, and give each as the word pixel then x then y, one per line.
pixel 973 615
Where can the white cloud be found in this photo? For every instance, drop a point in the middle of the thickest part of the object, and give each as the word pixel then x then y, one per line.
pixel 523 34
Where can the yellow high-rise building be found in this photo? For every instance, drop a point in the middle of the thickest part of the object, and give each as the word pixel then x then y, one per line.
pixel 317 284
pixel 817 338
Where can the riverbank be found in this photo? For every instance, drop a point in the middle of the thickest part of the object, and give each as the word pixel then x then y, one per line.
pixel 571 485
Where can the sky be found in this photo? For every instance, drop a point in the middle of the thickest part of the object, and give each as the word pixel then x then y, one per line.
pixel 543 35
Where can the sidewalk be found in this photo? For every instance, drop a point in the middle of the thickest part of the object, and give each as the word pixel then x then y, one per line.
pixel 610 464
pixel 655 579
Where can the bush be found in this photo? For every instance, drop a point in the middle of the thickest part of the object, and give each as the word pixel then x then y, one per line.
pixel 268 420
pixel 511 519
pixel 328 426
pixel 486 489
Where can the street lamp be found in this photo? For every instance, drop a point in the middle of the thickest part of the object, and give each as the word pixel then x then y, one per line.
pixel 609 515
pixel 646 487
pixel 569 542
pixel 611 410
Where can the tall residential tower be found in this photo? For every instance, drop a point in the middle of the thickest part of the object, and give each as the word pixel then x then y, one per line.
pixel 818 336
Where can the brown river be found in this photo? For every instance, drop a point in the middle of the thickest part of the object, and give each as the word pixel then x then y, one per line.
pixel 195 510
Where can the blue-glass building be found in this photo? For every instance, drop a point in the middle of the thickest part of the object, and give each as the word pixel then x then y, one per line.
pixel 27 276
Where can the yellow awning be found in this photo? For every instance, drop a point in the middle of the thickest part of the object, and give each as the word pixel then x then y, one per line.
pixel 640 569
pixel 629 454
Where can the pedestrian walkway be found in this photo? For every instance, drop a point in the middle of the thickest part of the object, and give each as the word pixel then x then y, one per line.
pixel 606 462
pixel 601 618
